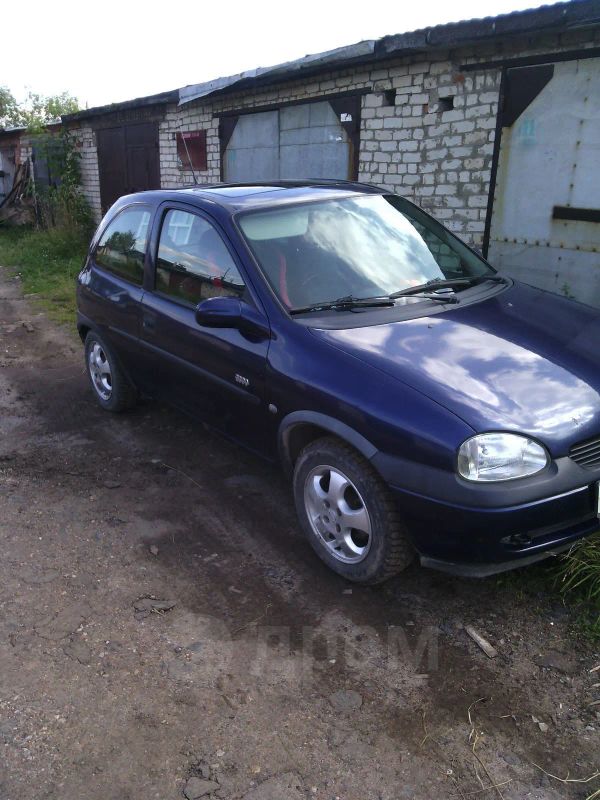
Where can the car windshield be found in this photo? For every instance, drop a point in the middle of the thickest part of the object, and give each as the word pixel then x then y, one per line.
pixel 360 247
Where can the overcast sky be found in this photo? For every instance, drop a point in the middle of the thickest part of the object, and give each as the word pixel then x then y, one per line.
pixel 116 50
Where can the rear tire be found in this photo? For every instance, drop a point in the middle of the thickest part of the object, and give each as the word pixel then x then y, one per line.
pixel 348 514
pixel 111 388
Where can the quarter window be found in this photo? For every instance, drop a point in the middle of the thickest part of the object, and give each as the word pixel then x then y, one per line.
pixel 193 262
pixel 122 247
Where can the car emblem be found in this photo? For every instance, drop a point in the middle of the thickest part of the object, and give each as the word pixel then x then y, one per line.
pixel 241 380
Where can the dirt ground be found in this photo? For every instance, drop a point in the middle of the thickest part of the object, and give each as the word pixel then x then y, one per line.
pixel 262 675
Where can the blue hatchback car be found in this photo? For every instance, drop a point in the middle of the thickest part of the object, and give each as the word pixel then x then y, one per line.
pixel 420 401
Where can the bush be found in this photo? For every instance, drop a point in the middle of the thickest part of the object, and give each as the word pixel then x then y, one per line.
pixel 62 204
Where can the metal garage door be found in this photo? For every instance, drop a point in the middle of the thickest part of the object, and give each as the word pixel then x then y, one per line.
pixel 311 140
pixel 253 150
pixel 546 218
pixel 127 160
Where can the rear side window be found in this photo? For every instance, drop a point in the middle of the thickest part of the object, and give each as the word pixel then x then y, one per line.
pixel 122 247
pixel 193 261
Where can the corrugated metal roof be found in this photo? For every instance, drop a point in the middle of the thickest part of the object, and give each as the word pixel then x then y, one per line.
pixel 561 16
pixel 318 61
pixel 22 129
pixel 139 102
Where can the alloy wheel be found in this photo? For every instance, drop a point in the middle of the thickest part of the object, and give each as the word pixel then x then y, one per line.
pixel 100 371
pixel 337 514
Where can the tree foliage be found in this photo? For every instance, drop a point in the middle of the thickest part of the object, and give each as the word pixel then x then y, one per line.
pixel 36 111
pixel 9 109
pixel 60 204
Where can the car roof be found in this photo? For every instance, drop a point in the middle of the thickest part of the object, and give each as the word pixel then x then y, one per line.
pixel 238 196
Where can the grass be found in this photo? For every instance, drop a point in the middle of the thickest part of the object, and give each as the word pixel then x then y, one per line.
pixel 48 263
pixel 580 582
pixel 574 578
pixel 582 570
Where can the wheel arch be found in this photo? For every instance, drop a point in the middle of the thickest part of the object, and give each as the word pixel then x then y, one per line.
pixel 300 428
pixel 84 325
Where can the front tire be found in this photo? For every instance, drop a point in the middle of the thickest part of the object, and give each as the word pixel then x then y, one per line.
pixel 110 386
pixel 347 513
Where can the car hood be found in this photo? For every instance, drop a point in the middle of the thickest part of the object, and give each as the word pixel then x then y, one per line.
pixel 523 360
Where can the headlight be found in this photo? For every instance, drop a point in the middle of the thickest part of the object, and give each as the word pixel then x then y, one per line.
pixel 500 457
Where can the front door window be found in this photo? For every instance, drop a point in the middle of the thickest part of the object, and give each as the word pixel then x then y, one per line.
pixel 193 262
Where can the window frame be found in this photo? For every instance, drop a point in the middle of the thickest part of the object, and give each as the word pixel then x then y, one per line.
pixel 100 235
pixel 187 155
pixel 159 219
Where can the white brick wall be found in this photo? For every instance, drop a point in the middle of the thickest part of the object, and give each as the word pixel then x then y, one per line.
pixel 90 178
pixel 439 158
pixel 192 118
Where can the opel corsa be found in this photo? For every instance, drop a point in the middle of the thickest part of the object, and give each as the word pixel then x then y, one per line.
pixel 420 401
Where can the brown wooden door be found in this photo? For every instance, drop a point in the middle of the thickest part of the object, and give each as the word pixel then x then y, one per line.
pixel 141 143
pixel 128 160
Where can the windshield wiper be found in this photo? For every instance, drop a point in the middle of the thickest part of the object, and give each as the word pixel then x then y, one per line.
pixel 345 304
pixel 440 283
pixel 427 290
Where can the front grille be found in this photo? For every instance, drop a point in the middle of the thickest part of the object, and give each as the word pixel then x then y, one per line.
pixel 586 454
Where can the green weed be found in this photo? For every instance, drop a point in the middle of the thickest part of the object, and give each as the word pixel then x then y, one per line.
pixel 48 263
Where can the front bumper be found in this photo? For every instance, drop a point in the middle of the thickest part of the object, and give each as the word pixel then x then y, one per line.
pixel 484 570
pixel 479 529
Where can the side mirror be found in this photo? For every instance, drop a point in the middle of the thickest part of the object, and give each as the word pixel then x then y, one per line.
pixel 219 312
pixel 231 312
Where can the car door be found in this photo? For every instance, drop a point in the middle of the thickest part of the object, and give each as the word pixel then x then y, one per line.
pixel 110 287
pixel 214 373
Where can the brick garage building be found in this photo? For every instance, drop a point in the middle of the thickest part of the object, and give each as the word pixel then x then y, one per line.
pixel 467 119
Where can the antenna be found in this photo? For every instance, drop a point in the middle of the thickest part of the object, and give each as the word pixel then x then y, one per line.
pixel 187 152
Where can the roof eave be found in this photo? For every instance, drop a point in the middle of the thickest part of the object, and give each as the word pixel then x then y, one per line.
pixel 164 98
pixel 559 17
